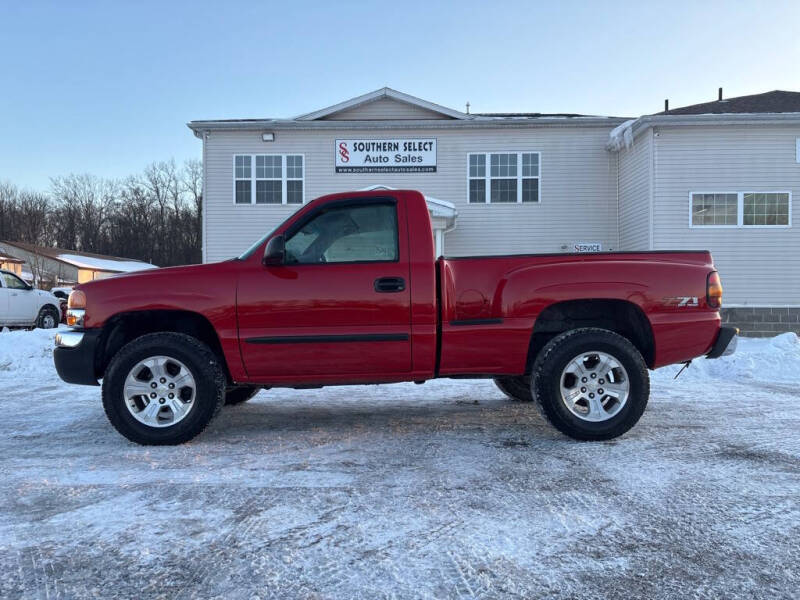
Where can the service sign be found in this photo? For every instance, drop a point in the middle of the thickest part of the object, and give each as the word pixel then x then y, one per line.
pixel 587 247
pixel 386 156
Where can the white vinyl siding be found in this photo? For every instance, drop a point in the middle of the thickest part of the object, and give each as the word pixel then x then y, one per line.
pixel 505 177
pixel 635 188
pixel 580 179
pixel 268 179
pixel 758 263
pixel 386 109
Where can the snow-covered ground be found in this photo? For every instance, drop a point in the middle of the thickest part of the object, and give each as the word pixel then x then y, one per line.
pixel 441 490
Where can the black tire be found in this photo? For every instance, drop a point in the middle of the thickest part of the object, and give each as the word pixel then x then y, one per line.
pixel 557 354
pixel 44 313
pixel 516 388
pixel 204 366
pixel 240 394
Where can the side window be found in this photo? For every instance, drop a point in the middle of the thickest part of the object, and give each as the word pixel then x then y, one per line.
pixel 13 282
pixel 356 233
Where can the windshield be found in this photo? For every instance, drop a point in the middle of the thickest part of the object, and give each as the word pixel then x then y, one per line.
pixel 249 252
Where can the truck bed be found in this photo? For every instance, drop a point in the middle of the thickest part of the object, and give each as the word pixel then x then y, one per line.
pixel 489 304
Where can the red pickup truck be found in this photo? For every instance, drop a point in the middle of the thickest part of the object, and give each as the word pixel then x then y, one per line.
pixel 347 291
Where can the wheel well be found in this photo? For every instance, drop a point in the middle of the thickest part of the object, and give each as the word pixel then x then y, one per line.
pixel 619 316
pixel 123 328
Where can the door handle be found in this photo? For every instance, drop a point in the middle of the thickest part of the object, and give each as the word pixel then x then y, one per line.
pixel 386 285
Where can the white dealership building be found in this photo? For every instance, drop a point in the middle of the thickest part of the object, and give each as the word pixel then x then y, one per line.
pixel 720 176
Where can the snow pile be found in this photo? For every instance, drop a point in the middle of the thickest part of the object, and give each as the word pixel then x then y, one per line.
pixel 24 352
pixel 622 135
pixel 106 264
pixel 771 360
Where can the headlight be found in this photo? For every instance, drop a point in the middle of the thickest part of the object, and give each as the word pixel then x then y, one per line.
pixel 76 308
pixel 77 299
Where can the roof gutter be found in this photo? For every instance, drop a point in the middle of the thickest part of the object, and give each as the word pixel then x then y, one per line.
pixel 642 124
pixel 198 127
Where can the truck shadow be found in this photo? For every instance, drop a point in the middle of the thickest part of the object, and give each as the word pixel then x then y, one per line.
pixel 378 414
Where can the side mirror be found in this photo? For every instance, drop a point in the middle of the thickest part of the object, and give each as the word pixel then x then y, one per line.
pixel 275 251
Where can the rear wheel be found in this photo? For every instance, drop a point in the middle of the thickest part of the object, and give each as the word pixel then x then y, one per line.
pixel 240 394
pixel 516 388
pixel 591 384
pixel 48 318
pixel 163 388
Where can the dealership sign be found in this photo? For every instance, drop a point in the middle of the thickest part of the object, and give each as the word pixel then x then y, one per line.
pixel 386 156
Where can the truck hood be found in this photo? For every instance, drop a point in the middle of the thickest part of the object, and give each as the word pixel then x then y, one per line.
pixel 148 276
pixel 46 296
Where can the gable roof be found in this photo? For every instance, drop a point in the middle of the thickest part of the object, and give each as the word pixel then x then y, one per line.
pixel 384 92
pixel 418 114
pixel 84 260
pixel 776 101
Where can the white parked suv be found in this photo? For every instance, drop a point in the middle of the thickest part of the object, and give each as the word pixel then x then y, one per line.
pixel 22 305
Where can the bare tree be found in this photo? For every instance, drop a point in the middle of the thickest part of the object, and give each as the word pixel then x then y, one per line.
pixel 154 216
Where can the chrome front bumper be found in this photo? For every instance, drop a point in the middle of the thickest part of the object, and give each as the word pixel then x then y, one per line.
pixel 68 339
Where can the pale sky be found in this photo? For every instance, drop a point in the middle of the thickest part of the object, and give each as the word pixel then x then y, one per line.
pixel 108 87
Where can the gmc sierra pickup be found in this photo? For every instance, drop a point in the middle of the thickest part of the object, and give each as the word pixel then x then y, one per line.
pixel 346 291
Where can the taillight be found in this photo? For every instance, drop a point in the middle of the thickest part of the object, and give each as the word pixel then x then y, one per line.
pixel 713 290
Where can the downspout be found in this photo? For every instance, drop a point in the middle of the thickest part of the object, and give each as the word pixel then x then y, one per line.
pixel 204 203
pixel 445 232
pixel 652 183
pixel 619 221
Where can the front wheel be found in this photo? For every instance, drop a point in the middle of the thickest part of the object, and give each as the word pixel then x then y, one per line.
pixel 163 389
pixel 48 318
pixel 591 384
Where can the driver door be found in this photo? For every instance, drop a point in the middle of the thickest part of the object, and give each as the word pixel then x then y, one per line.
pixel 339 307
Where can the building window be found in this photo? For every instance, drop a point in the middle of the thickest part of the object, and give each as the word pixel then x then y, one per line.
pixel 268 179
pixel 512 177
pixel 294 179
pixel 765 209
pixel 477 178
pixel 740 209
pixel 242 180
pixel 715 209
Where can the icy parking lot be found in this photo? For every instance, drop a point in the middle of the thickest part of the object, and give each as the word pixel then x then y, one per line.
pixel 436 491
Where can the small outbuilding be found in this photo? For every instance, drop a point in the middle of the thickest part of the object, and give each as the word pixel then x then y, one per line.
pixel 54 266
pixel 9 263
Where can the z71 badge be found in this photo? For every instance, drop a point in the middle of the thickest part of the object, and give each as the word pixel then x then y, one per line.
pixel 681 301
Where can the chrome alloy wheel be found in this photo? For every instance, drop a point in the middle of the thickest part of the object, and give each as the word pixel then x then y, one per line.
pixel 159 391
pixel 594 386
pixel 48 321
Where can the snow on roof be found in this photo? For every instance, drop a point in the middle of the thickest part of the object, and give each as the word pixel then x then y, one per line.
pixel 105 264
pixel 622 135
